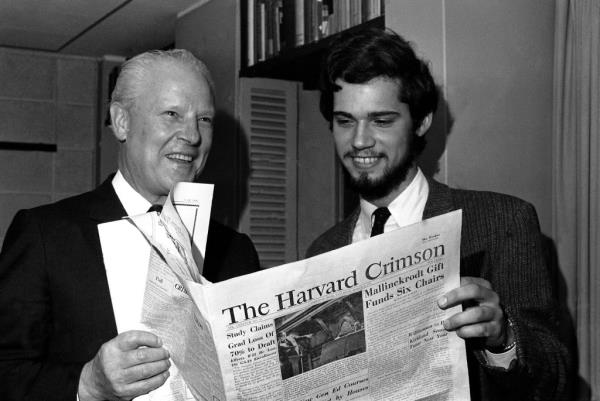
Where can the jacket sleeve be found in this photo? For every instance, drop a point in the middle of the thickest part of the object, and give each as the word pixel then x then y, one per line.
pixel 27 370
pixel 544 367
pixel 228 254
pixel 250 263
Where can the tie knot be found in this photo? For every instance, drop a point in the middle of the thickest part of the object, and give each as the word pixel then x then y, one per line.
pixel 155 208
pixel 381 215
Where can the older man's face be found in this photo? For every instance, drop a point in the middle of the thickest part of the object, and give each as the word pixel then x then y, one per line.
pixel 169 130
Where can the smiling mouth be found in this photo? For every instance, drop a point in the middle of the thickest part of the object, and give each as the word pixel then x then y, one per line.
pixel 364 161
pixel 180 157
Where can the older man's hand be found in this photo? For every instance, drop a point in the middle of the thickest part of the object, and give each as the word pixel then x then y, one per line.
pixel 482 316
pixel 131 364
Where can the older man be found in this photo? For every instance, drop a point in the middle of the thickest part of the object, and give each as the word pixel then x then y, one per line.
pixel 380 99
pixel 59 339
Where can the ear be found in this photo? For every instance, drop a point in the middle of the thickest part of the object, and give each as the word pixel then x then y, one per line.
pixel 119 117
pixel 425 124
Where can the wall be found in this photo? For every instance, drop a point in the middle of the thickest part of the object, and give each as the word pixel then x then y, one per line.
pixel 47 99
pixel 494 60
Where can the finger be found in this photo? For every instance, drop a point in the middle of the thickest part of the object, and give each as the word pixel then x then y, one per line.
pixel 133 339
pixel 480 330
pixel 471 316
pixel 142 387
pixel 468 292
pixel 145 371
pixel 145 355
pixel 475 280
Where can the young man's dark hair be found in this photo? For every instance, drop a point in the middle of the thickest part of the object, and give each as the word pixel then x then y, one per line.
pixel 359 57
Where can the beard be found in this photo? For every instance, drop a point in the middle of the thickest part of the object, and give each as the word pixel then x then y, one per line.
pixel 372 189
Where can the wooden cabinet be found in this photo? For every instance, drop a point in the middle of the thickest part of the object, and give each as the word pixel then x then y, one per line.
pixel 293 179
pixel 311 196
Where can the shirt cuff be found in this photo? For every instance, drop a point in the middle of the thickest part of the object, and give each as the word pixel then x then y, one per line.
pixel 501 360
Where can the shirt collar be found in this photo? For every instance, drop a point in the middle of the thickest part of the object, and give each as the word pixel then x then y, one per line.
pixel 407 208
pixel 132 201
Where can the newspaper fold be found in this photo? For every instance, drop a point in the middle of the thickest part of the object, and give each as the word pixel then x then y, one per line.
pixel 146 293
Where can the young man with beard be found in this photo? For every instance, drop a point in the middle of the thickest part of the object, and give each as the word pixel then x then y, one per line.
pixel 380 99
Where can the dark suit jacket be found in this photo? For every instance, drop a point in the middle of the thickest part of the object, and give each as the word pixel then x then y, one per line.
pixel 500 242
pixel 55 307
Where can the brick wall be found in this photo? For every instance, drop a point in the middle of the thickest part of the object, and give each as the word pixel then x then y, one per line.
pixel 48 99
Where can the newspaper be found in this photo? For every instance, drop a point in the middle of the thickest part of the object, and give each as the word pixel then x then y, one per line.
pixel 146 293
pixel 359 322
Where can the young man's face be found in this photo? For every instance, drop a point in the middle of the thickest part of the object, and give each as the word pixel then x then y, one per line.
pixel 374 134
pixel 168 133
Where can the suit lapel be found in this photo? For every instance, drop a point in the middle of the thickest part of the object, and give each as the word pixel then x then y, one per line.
pixel 439 200
pixel 102 206
pixel 343 236
pixel 105 205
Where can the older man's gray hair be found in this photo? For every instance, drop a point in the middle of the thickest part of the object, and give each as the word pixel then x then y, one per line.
pixel 134 70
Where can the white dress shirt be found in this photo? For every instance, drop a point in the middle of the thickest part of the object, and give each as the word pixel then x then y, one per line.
pixel 407 208
pixel 132 201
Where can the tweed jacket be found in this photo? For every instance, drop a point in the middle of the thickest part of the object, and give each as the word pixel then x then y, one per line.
pixel 500 242
pixel 55 306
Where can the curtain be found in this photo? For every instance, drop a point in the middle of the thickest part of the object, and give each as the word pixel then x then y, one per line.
pixel 576 176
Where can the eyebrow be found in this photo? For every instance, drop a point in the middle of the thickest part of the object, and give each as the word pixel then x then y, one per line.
pixel 177 106
pixel 371 115
pixel 342 114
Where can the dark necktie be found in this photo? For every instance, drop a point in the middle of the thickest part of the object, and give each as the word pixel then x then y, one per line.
pixel 155 208
pixel 381 215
